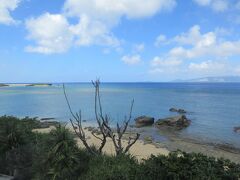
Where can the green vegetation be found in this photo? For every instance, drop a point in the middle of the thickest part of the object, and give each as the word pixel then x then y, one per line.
pixel 3 85
pixel 25 154
pixel 39 84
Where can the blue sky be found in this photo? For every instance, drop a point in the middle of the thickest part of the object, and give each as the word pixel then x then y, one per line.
pixel 118 40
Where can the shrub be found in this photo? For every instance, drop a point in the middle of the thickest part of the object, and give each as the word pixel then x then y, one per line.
pixel 16 140
pixel 181 165
pixel 122 167
pixel 58 157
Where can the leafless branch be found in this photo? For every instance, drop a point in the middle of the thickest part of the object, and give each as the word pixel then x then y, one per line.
pixel 106 131
pixel 77 124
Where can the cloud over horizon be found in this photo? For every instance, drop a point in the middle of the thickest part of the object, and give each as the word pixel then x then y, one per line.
pixel 96 18
pixel 194 46
pixel 154 39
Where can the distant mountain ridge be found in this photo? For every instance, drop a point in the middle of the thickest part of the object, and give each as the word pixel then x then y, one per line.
pixel 213 79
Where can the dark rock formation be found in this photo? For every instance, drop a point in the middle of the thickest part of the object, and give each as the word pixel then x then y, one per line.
pixel 176 122
pixel 144 121
pixel 47 119
pixel 148 139
pixel 181 111
pixel 47 124
pixel 236 129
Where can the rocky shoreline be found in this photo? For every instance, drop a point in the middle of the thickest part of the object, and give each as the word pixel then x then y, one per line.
pixel 170 129
pixel 173 140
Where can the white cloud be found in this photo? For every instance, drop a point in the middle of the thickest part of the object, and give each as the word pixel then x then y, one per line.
pixel 159 65
pixel 98 17
pixel 110 11
pixel 90 32
pixel 220 5
pixel 221 49
pixel 161 39
pixel 216 5
pixel 191 37
pixel 207 67
pixel 59 35
pixel 6 6
pixel 96 20
pixel 197 46
pixel 158 62
pixel 194 44
pixel 51 32
pixel 132 60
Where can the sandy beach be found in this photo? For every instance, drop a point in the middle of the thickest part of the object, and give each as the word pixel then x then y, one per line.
pixel 140 149
pixel 144 148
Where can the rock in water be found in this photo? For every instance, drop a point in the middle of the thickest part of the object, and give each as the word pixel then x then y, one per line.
pixel 236 129
pixel 176 122
pixel 173 109
pixel 181 111
pixel 144 121
pixel 47 119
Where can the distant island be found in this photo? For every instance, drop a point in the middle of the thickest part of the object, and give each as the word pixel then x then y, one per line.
pixel 3 85
pixel 20 85
pixel 217 79
pixel 41 84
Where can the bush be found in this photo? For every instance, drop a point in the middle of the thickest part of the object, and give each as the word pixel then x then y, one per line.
pixel 58 157
pixel 181 165
pixel 112 168
pixel 16 140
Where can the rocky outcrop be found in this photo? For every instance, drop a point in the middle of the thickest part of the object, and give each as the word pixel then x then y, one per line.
pixel 176 122
pixel 236 129
pixel 47 119
pixel 148 139
pixel 144 121
pixel 47 124
pixel 181 111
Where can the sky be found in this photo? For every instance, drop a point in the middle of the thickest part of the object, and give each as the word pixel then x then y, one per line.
pixel 118 40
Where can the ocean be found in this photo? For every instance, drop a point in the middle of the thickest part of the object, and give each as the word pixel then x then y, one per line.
pixel 214 108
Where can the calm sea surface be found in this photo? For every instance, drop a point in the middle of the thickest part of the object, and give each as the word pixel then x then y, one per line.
pixel 213 108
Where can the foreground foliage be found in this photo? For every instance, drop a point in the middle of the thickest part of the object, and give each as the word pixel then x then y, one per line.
pixel 25 155
pixel 181 165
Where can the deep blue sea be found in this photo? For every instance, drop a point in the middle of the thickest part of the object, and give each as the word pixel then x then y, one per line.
pixel 213 108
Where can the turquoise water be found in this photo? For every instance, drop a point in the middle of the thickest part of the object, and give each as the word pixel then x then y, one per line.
pixel 213 108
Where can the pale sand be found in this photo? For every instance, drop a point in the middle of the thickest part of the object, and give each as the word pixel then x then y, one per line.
pixel 138 150
pixel 16 85
pixel 143 151
pixel 24 85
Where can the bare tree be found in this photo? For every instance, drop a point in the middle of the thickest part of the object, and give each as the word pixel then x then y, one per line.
pixel 76 122
pixel 106 131
pixel 117 137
